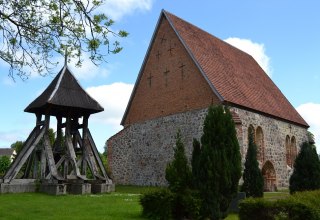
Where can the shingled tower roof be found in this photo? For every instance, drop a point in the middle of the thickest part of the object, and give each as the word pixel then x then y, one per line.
pixel 64 97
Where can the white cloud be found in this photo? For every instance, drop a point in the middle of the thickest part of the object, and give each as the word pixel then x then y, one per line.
pixel 114 99
pixel 9 137
pixel 311 113
pixel 88 70
pixel 116 9
pixel 256 50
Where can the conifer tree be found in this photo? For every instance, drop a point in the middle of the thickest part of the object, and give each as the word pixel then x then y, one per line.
pixel 195 160
pixel 252 176
pixel 306 173
pixel 219 166
pixel 178 175
pixel 178 172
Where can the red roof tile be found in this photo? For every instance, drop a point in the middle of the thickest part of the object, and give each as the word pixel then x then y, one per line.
pixel 234 74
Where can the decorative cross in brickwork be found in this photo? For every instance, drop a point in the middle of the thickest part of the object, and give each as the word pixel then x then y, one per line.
pixel 158 55
pixel 170 49
pixel 166 75
pixel 182 70
pixel 150 78
pixel 163 39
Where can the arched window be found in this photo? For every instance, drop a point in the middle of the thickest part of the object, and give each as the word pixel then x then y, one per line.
pixel 293 149
pixel 251 130
pixel 288 151
pixel 260 144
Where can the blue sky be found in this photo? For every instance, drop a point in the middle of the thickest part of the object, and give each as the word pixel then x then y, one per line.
pixel 283 36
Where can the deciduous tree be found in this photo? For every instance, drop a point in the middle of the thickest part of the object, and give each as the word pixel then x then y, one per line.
pixel 32 32
pixel 4 164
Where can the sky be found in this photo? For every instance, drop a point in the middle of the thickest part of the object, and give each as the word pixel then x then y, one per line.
pixel 283 36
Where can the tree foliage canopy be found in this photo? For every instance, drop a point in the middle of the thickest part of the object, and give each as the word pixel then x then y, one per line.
pixel 33 31
pixel 252 176
pixel 306 173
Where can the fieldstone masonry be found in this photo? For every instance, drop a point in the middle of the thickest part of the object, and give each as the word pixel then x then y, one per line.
pixel 274 137
pixel 138 154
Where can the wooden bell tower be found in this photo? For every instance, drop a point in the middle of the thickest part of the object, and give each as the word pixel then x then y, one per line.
pixel 72 163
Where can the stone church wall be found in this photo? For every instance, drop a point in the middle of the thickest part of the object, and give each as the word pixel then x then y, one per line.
pixel 138 155
pixel 274 138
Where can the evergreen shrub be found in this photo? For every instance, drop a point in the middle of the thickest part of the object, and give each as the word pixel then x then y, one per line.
pixel 306 173
pixel 252 176
pixel 303 205
pixel 157 204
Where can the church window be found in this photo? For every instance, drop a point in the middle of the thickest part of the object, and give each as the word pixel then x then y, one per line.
pixel 251 130
pixel 293 150
pixel 288 151
pixel 260 144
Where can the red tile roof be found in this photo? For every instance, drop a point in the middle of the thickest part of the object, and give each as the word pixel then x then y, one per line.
pixel 234 74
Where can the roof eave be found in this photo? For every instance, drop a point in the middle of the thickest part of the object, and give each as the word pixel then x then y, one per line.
pixel 266 114
pixel 142 68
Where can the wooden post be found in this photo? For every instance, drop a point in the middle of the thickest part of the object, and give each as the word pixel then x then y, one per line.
pixel 70 148
pixel 58 143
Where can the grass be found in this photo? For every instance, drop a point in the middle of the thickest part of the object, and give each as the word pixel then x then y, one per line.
pixel 41 206
pixel 122 204
pixel 275 195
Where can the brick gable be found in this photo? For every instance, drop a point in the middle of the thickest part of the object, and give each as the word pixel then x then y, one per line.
pixel 214 72
pixel 169 81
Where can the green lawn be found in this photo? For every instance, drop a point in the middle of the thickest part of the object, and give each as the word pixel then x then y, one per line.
pixel 122 204
pixel 40 206
pixel 275 195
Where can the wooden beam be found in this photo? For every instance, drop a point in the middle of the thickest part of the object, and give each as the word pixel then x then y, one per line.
pixel 27 149
pixel 50 159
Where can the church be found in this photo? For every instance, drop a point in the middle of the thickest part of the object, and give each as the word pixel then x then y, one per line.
pixel 185 70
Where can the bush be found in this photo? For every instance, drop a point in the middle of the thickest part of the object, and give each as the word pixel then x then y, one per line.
pixel 190 203
pixel 163 204
pixel 157 204
pixel 252 176
pixel 4 165
pixel 299 206
pixel 306 173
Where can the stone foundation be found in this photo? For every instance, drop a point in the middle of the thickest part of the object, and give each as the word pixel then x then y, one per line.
pixel 138 154
pixel 55 188
pixel 18 186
